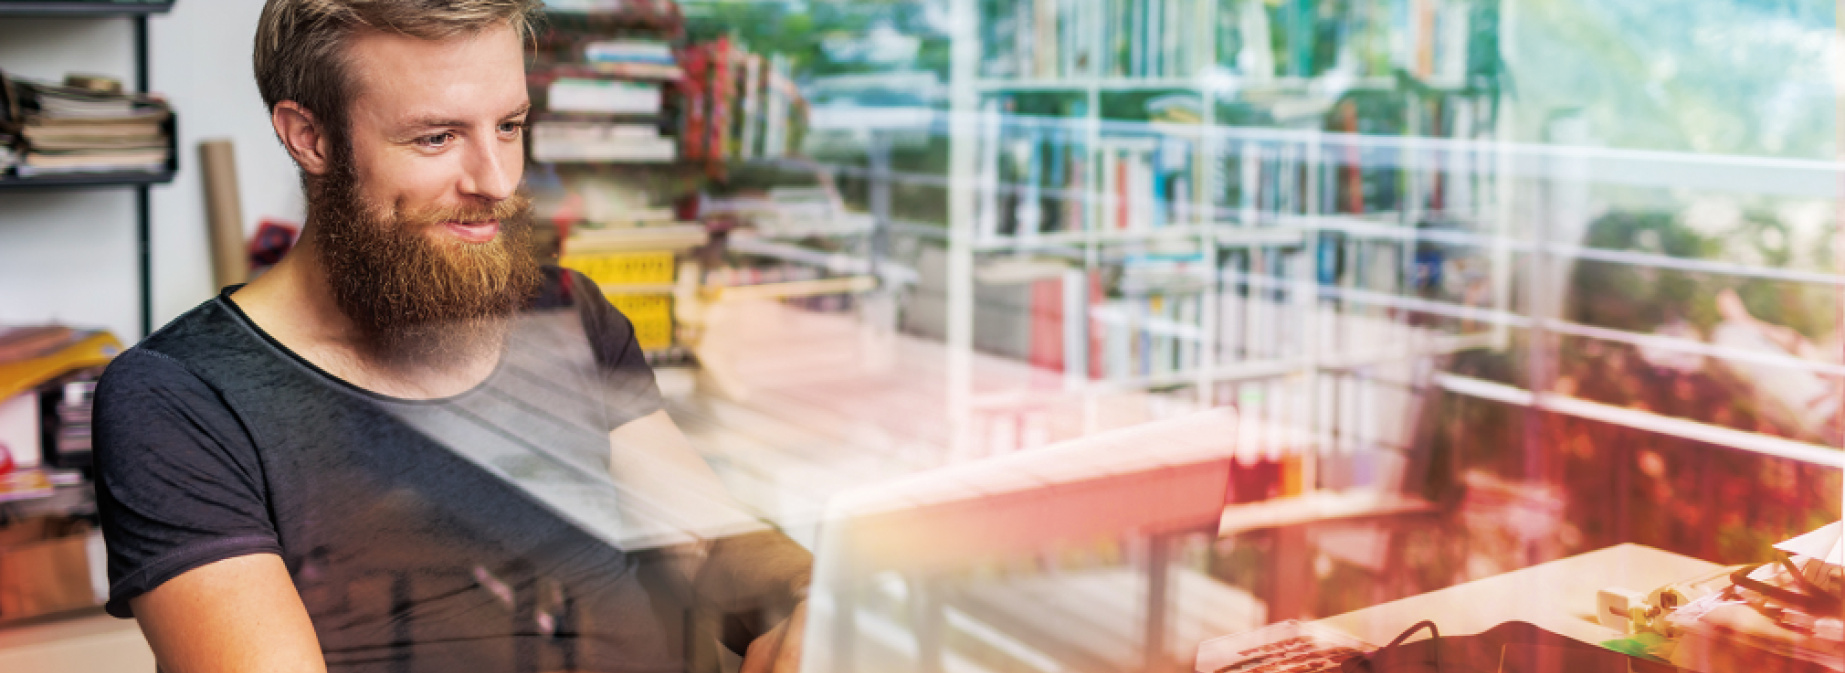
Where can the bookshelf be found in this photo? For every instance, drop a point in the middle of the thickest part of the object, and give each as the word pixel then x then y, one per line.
pixel 137 13
pixel 1249 164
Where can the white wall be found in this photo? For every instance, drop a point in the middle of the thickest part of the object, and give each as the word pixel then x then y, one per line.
pixel 69 255
pixel 201 60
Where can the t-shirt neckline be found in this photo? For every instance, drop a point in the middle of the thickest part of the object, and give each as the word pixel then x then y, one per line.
pixel 224 298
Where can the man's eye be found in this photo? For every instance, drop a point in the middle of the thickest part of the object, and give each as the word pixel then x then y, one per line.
pixel 437 140
pixel 512 128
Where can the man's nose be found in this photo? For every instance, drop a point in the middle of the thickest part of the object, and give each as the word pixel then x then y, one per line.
pixel 489 172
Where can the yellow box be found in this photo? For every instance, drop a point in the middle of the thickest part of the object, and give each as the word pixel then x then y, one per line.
pixel 652 315
pixel 623 268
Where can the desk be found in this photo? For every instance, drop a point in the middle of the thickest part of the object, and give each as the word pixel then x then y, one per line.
pixel 1559 596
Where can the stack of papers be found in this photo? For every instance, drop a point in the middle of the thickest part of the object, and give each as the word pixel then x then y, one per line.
pixel 1820 555
pixel 63 130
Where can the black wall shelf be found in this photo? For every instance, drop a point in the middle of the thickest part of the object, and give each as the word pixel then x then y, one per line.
pixel 86 180
pixel 53 8
pixel 137 13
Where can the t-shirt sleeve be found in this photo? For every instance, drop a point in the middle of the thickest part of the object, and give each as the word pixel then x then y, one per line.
pixel 630 391
pixel 178 482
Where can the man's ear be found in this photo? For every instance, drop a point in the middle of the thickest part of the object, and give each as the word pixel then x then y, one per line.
pixel 303 135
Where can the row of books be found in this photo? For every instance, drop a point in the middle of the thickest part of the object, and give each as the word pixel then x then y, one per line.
pixel 737 104
pixel 1150 330
pixel 1183 38
pixel 85 125
pixel 1156 38
pixel 1138 38
pixel 1038 180
pixel 1146 184
pixel 1039 38
pixel 606 100
pixel 1032 178
pixel 1038 175
pixel 602 100
pixel 1149 321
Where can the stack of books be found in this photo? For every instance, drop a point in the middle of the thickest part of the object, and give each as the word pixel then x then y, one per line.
pixel 605 108
pixel 87 125
pixel 566 140
pixel 72 442
pixel 633 58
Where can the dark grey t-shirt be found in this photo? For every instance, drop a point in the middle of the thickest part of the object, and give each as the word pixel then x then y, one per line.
pixel 412 529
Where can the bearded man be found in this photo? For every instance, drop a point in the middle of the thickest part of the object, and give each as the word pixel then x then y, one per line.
pixel 409 446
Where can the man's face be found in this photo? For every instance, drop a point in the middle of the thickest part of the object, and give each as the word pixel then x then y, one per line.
pixel 437 126
pixel 416 221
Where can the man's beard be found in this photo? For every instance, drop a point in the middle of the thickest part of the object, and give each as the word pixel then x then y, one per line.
pixel 416 296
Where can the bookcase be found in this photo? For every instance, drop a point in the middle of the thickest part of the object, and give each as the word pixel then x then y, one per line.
pixel 641 130
pixel 137 14
pixel 1193 190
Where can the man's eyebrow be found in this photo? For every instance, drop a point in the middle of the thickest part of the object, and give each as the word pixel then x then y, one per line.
pixel 440 122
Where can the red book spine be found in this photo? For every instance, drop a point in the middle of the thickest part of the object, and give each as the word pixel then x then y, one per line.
pixel 723 92
pixel 1095 326
pixel 1121 193
pixel 697 75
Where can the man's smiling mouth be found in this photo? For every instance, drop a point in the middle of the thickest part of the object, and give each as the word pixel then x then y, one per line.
pixel 479 231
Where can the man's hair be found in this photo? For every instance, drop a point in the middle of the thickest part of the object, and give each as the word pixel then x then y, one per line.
pixel 301 44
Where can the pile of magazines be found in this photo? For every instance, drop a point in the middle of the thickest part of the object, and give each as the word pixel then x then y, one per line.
pixel 84 125
pixel 1781 616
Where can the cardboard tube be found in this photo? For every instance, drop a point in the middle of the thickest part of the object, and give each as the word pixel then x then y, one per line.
pixel 230 261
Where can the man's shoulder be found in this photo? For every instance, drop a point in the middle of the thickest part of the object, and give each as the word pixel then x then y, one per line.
pixel 207 330
pixel 205 339
pixel 561 288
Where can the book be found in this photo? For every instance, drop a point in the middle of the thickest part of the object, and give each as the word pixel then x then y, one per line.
pixel 723 98
pixel 1047 341
pixel 671 236
pixel 542 76
pixel 53 131
pixel 123 161
pixel 577 141
pixel 694 92
pixel 56 144
pixel 986 223
pixel 41 354
pixel 603 96
pixel 776 107
pixel 750 139
pixel 629 51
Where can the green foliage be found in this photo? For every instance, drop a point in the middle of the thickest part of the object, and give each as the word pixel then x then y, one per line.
pixel 800 29
pixel 1640 299
pixel 1636 298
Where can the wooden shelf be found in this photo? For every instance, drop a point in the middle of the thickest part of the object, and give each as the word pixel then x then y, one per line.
pixel 52 8
pixel 86 180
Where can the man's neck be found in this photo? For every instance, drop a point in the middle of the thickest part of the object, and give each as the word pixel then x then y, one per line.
pixel 293 303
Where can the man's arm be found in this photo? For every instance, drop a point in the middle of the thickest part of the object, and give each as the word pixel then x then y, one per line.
pixel 753 567
pixel 656 468
pixel 237 615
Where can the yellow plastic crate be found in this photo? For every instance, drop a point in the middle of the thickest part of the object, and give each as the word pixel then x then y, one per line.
pixel 652 315
pixel 623 268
